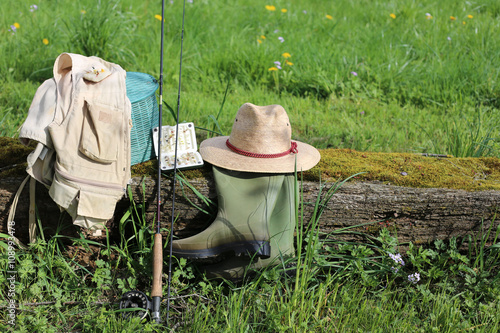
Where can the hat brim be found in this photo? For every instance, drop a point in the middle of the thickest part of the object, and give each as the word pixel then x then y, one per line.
pixel 215 151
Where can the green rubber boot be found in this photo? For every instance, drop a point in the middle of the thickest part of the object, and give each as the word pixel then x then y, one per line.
pixel 281 230
pixel 245 204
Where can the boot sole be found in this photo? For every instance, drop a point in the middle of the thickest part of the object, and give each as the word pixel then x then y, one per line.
pixel 261 249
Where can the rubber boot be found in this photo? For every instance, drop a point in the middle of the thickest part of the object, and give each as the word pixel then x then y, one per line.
pixel 245 204
pixel 281 230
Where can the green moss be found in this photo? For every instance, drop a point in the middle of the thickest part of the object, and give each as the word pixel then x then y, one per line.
pixel 401 169
pixel 411 170
pixel 13 157
pixel 149 168
pixel 144 168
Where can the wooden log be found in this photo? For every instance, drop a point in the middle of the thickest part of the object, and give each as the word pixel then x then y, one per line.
pixel 419 215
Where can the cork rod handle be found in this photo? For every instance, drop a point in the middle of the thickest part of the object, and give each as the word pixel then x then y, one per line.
pixel 157 266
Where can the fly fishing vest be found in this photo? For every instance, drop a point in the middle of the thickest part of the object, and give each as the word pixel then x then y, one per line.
pixel 81 119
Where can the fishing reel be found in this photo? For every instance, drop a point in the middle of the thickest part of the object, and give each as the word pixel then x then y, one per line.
pixel 136 300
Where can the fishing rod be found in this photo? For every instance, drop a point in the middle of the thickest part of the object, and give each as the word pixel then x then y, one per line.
pixel 156 288
pixel 175 165
pixel 137 299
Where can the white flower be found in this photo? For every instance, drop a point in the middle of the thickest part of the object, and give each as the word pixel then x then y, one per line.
pixel 397 258
pixel 414 278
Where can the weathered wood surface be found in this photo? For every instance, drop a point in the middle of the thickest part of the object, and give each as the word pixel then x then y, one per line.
pixel 419 215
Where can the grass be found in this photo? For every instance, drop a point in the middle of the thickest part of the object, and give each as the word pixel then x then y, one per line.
pixel 73 284
pixel 360 78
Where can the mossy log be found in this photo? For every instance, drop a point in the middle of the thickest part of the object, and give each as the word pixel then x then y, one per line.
pixel 419 198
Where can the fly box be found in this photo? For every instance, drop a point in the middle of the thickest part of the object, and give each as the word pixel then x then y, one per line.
pixel 187 154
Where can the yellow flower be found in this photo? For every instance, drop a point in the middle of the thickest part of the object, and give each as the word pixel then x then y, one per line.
pixel 470 16
pixel 284 10
pixel 270 8
pixel 17 25
pixel 263 37
pixel 393 15
pixel 45 41
pixel 330 17
pixel 83 11
pixel 158 17
pixel 463 22
pixel 273 69
pixel 453 18
pixel 286 55
pixel 288 63
pixel 258 40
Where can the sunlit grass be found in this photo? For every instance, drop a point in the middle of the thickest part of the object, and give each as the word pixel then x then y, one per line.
pixel 67 284
pixel 415 67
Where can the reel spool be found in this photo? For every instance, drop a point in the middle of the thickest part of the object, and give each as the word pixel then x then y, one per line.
pixel 135 300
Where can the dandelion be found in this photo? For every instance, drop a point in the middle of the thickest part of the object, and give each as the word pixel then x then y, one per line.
pixel 272 69
pixel 278 64
pixel 463 22
pixel 288 63
pixel 330 17
pixel 33 8
pixel 45 41
pixel 158 17
pixel 270 8
pixel 83 11
pixel 16 25
pixel 259 41
pixel 284 10
pixel 263 37
pixel 428 16
pixel 414 278
pixel 393 16
pixel 354 73
pixel 470 16
pixel 286 55
pixel 281 39
pixel 453 18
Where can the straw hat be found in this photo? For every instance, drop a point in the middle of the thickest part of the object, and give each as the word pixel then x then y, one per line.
pixel 260 141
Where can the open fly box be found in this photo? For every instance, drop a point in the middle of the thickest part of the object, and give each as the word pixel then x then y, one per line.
pixel 187 154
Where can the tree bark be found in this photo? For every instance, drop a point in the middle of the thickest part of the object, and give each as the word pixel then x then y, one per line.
pixel 419 215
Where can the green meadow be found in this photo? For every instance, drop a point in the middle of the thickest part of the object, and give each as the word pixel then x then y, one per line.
pixel 399 76
pixel 379 76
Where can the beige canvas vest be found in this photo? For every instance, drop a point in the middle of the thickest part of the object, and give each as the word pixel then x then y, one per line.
pixel 81 119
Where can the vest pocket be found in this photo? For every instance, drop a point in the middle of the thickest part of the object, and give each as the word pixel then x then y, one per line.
pixel 101 132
